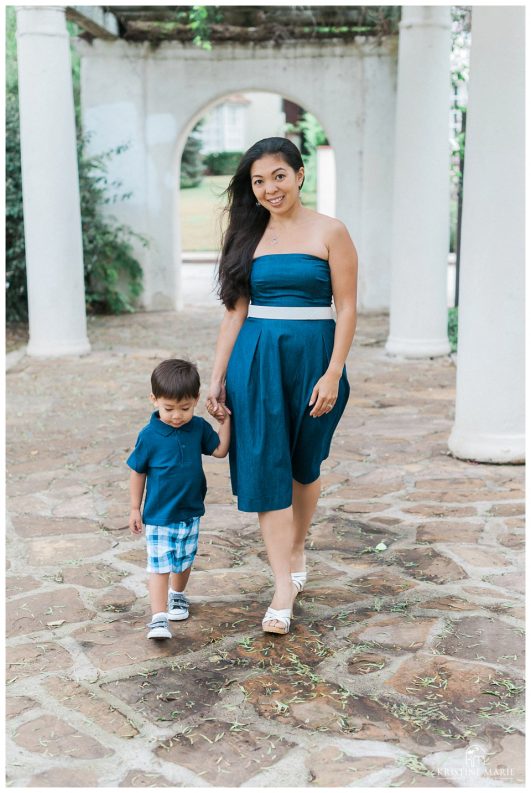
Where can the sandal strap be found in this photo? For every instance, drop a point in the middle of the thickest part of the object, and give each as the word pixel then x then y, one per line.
pixel 282 615
pixel 299 579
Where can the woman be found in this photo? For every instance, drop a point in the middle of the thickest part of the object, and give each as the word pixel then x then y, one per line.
pixel 279 364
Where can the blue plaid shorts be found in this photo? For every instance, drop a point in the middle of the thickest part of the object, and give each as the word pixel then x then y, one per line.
pixel 171 550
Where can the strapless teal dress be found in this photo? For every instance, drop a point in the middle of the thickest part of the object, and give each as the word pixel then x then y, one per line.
pixel 273 368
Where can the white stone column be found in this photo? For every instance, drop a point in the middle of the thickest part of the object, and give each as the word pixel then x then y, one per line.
pixel 52 222
pixel 489 412
pixel 421 189
pixel 326 181
pixel 374 238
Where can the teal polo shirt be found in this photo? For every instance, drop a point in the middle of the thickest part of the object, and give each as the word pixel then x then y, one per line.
pixel 171 457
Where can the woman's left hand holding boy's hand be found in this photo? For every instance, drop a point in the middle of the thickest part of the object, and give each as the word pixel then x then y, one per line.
pixel 215 402
pixel 226 413
pixel 135 522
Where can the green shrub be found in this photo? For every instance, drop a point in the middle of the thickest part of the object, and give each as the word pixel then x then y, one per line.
pixel 220 163
pixel 453 225
pixel 452 327
pixel 113 276
pixel 313 135
pixel 192 161
pixel 16 294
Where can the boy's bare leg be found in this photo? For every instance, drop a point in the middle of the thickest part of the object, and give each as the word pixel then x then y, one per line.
pixel 178 581
pixel 158 592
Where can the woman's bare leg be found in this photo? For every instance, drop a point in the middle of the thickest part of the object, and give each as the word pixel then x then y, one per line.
pixel 305 499
pixel 278 534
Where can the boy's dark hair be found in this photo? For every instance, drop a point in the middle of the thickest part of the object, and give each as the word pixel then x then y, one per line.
pixel 175 379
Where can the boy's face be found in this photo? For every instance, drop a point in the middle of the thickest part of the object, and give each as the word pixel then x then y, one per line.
pixel 175 412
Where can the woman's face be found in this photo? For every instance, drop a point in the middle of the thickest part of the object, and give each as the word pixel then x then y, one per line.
pixel 275 183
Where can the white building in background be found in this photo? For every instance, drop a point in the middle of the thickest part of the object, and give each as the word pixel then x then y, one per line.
pixel 240 120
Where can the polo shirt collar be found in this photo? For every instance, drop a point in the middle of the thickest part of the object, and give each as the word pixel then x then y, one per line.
pixel 165 429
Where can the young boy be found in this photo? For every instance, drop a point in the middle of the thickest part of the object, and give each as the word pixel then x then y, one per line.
pixel 168 455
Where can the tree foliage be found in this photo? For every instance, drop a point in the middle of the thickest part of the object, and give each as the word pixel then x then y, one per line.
pixel 192 161
pixel 16 290
pixel 459 72
pixel 113 276
pixel 312 135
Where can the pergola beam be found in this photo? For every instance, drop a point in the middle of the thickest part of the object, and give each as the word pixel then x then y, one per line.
pixel 99 23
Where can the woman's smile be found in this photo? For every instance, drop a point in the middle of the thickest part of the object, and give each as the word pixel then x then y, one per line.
pixel 275 201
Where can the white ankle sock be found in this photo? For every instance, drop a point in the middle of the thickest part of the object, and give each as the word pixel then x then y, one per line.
pixel 158 614
pixel 174 592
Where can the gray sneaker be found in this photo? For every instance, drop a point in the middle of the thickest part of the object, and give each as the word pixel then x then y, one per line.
pixel 178 607
pixel 159 629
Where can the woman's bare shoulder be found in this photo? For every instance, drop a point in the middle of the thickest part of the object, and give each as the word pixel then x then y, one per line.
pixel 326 225
pixel 325 232
pixel 333 231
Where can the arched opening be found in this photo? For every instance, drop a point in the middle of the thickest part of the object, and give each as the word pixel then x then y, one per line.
pixel 206 157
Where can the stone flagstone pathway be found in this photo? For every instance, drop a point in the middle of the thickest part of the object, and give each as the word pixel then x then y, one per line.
pixel 406 660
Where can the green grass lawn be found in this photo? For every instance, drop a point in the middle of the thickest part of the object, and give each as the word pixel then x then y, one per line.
pixel 202 212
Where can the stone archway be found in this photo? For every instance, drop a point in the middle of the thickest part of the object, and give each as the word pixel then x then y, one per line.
pixel 154 99
pixel 179 253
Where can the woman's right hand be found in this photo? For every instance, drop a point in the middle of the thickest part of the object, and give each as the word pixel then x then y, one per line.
pixel 215 401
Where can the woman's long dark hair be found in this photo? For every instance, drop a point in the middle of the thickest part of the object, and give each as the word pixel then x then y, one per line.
pixel 247 221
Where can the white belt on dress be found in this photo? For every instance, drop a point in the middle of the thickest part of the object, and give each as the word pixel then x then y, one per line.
pixel 291 312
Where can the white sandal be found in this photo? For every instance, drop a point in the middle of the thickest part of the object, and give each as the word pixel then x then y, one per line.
pixel 299 579
pixel 282 615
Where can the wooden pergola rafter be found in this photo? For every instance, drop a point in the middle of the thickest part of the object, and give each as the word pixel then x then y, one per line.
pixel 241 24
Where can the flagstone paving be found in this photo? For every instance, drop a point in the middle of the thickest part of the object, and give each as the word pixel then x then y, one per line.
pixel 405 663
